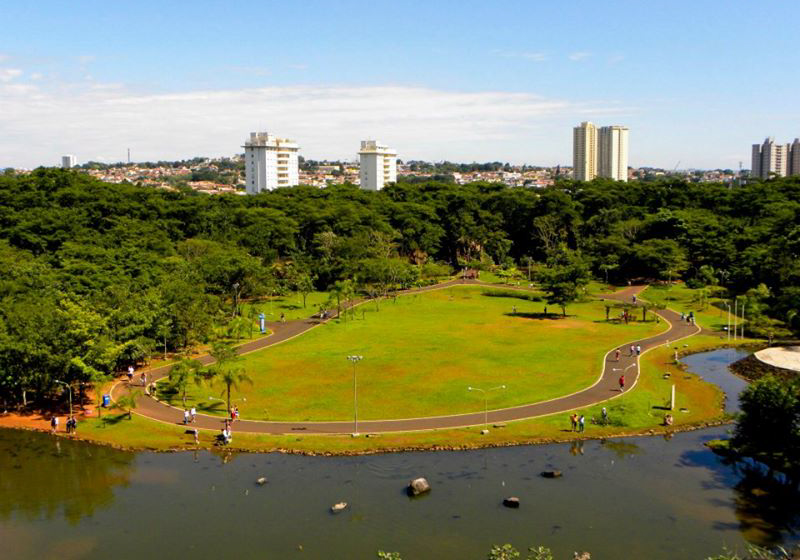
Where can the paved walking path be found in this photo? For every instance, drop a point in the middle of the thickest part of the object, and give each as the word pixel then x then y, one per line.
pixel 604 389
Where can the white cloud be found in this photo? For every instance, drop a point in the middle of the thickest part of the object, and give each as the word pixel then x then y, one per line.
pixel 327 121
pixel 8 74
pixel 576 56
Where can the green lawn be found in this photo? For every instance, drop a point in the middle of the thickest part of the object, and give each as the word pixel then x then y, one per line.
pixel 422 351
pixel 291 305
pixel 710 313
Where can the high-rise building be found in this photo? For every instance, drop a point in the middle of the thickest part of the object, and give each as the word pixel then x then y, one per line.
pixel 584 152
pixel 770 159
pixel 794 157
pixel 68 162
pixel 612 152
pixel 270 162
pixel 378 165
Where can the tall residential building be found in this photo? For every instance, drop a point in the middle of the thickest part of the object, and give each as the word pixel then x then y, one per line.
pixel 378 165
pixel 794 157
pixel 584 152
pixel 270 162
pixel 68 162
pixel 612 152
pixel 770 158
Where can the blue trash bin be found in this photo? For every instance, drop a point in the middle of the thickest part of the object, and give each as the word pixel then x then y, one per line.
pixel 106 401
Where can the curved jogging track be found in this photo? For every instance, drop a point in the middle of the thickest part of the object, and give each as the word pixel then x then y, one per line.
pixel 605 388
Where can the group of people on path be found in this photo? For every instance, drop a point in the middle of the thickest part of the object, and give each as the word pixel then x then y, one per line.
pixel 688 317
pixel 189 415
pixel 72 424
pixel 635 349
pixel 142 378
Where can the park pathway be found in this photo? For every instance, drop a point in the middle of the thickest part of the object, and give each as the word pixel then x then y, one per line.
pixel 605 388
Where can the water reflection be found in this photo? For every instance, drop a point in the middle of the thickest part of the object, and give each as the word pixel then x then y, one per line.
pixel 655 498
pixel 41 476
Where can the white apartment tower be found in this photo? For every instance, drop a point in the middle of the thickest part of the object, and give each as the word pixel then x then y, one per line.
pixel 68 162
pixel 770 158
pixel 794 157
pixel 378 165
pixel 270 162
pixel 612 152
pixel 584 152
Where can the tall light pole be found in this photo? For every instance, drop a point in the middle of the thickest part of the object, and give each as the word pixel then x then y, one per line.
pixel 355 359
pixel 69 388
pixel 486 401
pixel 728 305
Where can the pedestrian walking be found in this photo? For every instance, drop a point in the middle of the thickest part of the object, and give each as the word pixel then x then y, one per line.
pixel 573 420
pixel 236 412
pixel 130 374
pixel 144 379
pixel 634 299
pixel 581 423
pixel 193 414
pixel 185 417
pixel 283 317
pixel 622 383
pixel 638 350
pixel 54 424
pixel 604 415
pixel 196 436
pixel 633 349
pixel 616 355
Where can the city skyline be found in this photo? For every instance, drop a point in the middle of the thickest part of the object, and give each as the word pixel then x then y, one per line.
pixel 466 82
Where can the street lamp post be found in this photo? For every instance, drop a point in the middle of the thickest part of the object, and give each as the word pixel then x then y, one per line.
pixel 69 388
pixel 355 359
pixel 486 401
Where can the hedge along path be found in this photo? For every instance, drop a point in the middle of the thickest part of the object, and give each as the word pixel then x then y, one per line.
pixel 604 389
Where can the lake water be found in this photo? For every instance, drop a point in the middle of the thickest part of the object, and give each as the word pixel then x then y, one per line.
pixel 651 498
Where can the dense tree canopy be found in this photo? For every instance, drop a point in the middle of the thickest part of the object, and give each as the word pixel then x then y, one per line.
pixel 93 276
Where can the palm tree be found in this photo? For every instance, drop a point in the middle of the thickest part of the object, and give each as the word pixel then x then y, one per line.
pixel 128 403
pixel 232 376
pixel 184 371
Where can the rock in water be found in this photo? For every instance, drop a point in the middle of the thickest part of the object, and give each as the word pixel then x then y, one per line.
pixel 261 481
pixel 511 502
pixel 418 486
pixel 336 508
pixel 552 474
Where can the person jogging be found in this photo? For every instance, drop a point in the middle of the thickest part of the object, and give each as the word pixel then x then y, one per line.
pixel 621 383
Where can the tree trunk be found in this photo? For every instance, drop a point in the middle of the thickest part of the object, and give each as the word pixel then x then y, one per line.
pixel 564 310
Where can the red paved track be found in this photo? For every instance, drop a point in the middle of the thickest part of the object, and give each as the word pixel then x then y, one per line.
pixel 604 389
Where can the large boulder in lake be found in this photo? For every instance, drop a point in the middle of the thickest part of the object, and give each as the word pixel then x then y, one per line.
pixel 511 502
pixel 418 486
pixel 552 474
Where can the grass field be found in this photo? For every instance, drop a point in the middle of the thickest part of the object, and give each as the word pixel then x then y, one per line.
pixel 710 313
pixel 635 412
pixel 422 351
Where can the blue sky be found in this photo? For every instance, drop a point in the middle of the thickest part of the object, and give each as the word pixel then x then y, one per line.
pixel 697 82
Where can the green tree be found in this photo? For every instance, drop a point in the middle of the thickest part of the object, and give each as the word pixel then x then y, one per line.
pixel 768 427
pixel 182 373
pixel 561 281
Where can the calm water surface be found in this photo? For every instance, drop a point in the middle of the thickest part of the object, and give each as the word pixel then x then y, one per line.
pixel 630 498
